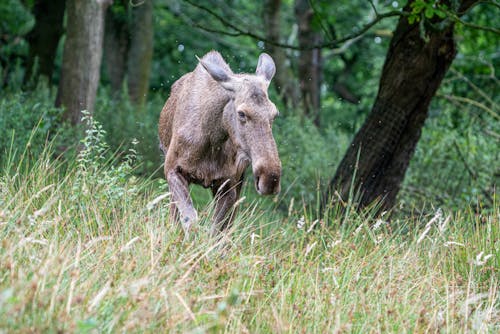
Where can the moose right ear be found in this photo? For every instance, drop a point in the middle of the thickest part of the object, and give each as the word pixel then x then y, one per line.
pixel 218 73
pixel 266 67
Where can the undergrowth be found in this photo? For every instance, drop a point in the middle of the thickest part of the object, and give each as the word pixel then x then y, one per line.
pixel 88 248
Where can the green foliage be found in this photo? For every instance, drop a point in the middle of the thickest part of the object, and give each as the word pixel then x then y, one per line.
pixel 114 180
pixel 27 121
pixel 15 19
pixel 421 9
pixel 456 163
pixel 15 22
pixel 306 163
pixel 453 167
pixel 123 123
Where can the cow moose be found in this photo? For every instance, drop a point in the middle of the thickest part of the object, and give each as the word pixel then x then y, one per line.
pixel 213 126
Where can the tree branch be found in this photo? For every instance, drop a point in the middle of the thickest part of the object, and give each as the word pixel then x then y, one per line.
pixel 472 25
pixel 470 101
pixel 373 7
pixel 237 31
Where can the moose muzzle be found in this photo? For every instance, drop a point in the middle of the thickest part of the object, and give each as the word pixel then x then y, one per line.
pixel 267 179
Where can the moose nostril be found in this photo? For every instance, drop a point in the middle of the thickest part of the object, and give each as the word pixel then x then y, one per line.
pixel 257 179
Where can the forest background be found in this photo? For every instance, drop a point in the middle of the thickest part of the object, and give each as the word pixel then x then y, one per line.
pixel 324 93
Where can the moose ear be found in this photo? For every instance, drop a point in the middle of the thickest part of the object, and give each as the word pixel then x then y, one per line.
pixel 218 73
pixel 266 67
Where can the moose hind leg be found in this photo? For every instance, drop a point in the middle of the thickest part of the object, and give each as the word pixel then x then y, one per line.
pixel 225 197
pixel 179 188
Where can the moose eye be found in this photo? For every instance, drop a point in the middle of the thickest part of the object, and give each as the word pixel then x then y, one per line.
pixel 242 116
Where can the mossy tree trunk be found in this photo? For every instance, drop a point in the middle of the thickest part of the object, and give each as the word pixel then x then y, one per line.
pixel 81 57
pixel 378 157
pixel 116 44
pixel 141 52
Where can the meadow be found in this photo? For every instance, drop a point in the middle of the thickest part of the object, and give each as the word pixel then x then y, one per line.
pixel 86 246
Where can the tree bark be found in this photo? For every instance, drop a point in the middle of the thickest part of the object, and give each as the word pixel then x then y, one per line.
pixel 377 159
pixel 43 39
pixel 141 52
pixel 310 67
pixel 284 80
pixel 81 57
pixel 116 44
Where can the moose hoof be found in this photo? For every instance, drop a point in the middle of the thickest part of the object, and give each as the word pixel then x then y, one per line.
pixel 188 221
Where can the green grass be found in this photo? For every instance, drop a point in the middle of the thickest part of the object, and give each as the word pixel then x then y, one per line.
pixel 87 247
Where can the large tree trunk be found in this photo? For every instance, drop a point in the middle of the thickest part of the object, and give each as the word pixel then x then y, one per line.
pixel 284 80
pixel 377 159
pixel 82 57
pixel 43 39
pixel 310 67
pixel 116 43
pixel 141 52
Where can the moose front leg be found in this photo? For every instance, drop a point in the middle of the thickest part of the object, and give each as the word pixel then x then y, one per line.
pixel 179 187
pixel 225 197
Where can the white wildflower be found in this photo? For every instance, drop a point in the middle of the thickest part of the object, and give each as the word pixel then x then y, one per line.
pixel 378 224
pixel 301 222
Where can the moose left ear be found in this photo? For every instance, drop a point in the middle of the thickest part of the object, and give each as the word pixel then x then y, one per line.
pixel 220 74
pixel 266 67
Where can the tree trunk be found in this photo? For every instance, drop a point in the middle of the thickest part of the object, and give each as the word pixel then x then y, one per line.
pixel 43 39
pixel 81 57
pixel 310 61
pixel 411 75
pixel 284 81
pixel 141 52
pixel 116 43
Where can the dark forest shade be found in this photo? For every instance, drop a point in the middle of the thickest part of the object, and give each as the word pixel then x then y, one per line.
pixel 284 80
pixel 310 67
pixel 128 48
pixel 43 39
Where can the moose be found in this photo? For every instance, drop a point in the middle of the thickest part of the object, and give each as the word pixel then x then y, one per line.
pixel 214 124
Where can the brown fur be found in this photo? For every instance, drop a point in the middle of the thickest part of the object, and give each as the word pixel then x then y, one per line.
pixel 208 141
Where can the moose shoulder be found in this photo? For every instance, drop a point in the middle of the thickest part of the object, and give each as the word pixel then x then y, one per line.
pixel 213 126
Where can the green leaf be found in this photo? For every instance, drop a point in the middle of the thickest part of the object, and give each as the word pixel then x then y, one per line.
pixel 418 6
pixel 429 12
pixel 440 13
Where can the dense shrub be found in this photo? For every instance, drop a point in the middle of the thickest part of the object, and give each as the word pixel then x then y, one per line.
pixel 309 157
pixel 124 122
pixel 27 121
pixel 456 163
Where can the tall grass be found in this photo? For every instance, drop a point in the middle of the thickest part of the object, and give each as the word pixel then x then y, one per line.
pixel 87 247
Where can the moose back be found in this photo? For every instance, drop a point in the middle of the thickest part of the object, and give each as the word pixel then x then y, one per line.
pixel 213 126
